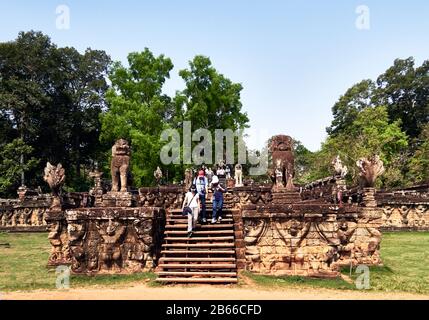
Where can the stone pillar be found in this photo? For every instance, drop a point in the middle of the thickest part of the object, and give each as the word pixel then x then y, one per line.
pixel 22 191
pixel 368 197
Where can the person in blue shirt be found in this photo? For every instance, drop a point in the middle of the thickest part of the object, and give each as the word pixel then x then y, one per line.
pixel 201 183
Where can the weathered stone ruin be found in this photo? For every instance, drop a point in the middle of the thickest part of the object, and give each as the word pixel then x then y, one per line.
pixel 278 228
pixel 271 229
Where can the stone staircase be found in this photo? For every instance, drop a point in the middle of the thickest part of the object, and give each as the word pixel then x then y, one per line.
pixel 207 257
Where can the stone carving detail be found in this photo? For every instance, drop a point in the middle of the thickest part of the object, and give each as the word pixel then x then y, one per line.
pixel 238 175
pixel 158 175
pixel 120 165
pixel 339 169
pixel 253 231
pixel 406 216
pixel 166 197
pixel 110 253
pixel 111 240
pixel 188 179
pixel 25 215
pixel 97 191
pixel 369 170
pixel 311 244
pixel 282 171
pixel 60 253
pixel 55 177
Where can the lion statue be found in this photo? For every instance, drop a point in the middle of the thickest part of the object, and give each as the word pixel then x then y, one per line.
pixel 282 171
pixel 120 164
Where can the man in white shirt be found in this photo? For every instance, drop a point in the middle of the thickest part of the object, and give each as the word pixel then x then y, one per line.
pixel 192 201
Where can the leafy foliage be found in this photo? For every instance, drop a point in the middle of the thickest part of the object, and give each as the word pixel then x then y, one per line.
pixel 419 163
pixel 397 131
pixel 10 166
pixel 138 111
pixel 210 100
pixel 50 98
pixel 370 133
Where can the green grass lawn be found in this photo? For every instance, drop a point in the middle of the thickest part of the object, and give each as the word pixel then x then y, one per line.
pixel 23 266
pixel 405 256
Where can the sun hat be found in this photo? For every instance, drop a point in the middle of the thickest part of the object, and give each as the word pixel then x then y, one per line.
pixel 215 180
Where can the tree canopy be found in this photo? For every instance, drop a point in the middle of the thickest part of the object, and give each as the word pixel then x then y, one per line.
pixel 388 117
pixel 50 99
pixel 60 105
pixel 138 110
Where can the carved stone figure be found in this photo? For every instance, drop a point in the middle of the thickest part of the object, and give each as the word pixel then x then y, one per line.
pixel 158 175
pixel 120 165
pixel 283 161
pixel 238 175
pixel 110 255
pixel 279 176
pixel 369 170
pixel 143 249
pixel 97 190
pixel 55 176
pixel 340 169
pixel 57 236
pixel 188 178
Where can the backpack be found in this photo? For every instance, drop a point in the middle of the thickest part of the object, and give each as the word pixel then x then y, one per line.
pixel 200 183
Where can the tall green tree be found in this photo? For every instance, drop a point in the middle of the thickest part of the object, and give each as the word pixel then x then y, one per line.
pixel 138 110
pixel 370 134
pixel 50 98
pixel 81 87
pixel 404 89
pixel 304 159
pixel 10 166
pixel 419 163
pixel 210 100
pixel 347 108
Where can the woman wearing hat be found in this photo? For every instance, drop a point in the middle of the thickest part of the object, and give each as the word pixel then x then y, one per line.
pixel 192 201
pixel 218 191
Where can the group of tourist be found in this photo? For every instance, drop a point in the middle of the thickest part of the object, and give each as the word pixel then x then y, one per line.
pixel 194 204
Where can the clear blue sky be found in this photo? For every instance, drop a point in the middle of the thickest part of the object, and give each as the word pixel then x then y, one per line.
pixel 294 58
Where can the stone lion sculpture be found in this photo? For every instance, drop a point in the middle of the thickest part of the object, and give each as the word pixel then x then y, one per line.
pixel 282 172
pixel 120 165
pixel 238 175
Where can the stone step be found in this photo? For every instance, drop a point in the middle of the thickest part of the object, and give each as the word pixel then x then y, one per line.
pixel 204 226
pixel 198 245
pixel 181 259
pixel 208 205
pixel 208 214
pixel 198 252
pixel 197 273
pixel 184 220
pixel 198 280
pixel 204 239
pixel 199 232
pixel 198 265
